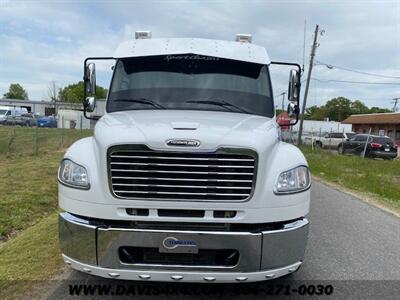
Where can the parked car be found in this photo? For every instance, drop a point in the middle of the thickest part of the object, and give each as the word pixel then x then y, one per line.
pixel 377 146
pixel 308 138
pixel 332 139
pixel 28 119
pixel 292 137
pixel 49 122
pixel 289 137
pixel 7 112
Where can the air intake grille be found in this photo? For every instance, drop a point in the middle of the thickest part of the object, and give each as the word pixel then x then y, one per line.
pixel 137 172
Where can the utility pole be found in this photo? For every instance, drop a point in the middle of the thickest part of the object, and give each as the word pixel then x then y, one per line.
pixel 304 43
pixel 314 47
pixel 283 101
pixel 395 100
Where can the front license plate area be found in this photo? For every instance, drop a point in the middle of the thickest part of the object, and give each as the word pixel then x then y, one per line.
pixel 142 249
pixel 172 244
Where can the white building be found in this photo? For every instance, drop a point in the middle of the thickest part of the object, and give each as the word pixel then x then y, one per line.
pixel 69 115
pixel 323 126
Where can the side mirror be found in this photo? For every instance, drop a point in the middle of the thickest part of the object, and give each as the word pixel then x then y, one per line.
pixel 90 79
pixel 293 110
pixel 89 104
pixel 294 86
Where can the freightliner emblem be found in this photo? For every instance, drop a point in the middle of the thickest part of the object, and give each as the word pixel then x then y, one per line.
pixel 183 143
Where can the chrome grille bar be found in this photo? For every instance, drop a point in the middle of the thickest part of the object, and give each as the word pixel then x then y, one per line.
pixel 179 165
pixel 182 158
pixel 179 172
pixel 183 186
pixel 182 179
pixel 137 172
pixel 181 193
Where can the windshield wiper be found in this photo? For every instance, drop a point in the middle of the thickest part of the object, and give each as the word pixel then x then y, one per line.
pixel 219 103
pixel 142 101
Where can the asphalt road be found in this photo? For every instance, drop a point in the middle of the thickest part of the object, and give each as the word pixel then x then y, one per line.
pixel 353 246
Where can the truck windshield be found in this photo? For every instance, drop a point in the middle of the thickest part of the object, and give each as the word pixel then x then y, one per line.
pixel 191 82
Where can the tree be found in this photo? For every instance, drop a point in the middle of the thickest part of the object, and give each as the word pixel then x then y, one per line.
pixel 74 93
pixel 310 112
pixel 320 114
pixel 16 91
pixel 374 110
pixel 53 91
pixel 357 107
pixel 338 109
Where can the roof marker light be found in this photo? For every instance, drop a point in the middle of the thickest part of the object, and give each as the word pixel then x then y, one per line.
pixel 243 37
pixel 142 35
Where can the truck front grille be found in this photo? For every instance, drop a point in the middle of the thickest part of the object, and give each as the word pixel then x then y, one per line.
pixel 137 172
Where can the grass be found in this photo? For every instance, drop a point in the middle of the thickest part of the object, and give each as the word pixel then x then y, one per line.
pixel 29 188
pixel 30 258
pixel 21 141
pixel 29 182
pixel 379 178
pixel 29 249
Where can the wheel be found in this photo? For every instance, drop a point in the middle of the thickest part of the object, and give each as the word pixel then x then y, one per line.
pixel 318 144
pixel 340 150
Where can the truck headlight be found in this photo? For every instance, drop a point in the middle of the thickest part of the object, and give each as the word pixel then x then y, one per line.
pixel 73 175
pixel 293 181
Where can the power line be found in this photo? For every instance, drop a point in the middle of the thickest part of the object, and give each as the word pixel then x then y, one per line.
pixel 330 66
pixel 354 82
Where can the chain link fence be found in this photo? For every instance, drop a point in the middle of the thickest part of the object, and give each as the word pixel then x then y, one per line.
pixel 332 141
pixel 17 140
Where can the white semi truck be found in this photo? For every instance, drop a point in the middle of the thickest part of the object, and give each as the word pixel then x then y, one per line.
pixel 186 178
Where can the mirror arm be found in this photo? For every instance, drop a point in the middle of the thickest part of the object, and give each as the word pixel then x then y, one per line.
pixel 86 79
pixel 287 64
pixel 87 117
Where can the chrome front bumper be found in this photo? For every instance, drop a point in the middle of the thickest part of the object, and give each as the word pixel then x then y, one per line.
pixel 94 248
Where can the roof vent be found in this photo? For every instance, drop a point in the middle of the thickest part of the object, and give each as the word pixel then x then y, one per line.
pixel 243 37
pixel 142 35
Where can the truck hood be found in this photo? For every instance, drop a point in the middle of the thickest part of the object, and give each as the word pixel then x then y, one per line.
pixel 211 129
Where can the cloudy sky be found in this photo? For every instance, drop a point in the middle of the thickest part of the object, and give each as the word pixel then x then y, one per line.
pixel 41 41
